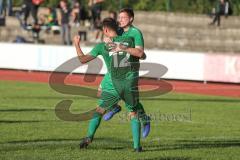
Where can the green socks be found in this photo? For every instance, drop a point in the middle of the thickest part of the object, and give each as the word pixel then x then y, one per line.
pixel 143 117
pixel 136 130
pixel 93 124
pixel 135 125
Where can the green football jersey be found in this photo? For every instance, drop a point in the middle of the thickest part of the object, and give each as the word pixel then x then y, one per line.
pixel 100 49
pixel 120 65
pixel 124 65
pixel 136 34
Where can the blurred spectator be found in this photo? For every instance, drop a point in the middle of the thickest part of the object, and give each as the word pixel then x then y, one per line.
pixel 50 18
pixel 20 39
pixel 96 9
pixel 31 6
pixel 98 30
pixel 228 8
pixel 223 8
pixel 34 28
pixel 8 5
pixel 1 7
pixel 34 9
pixel 113 15
pixel 78 13
pixel 64 22
pixel 212 13
pixel 26 8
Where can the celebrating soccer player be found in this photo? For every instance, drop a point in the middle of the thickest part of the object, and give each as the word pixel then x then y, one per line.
pixel 119 83
pixel 125 20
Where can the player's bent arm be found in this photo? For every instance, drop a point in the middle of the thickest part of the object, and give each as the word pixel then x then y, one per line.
pixel 86 58
pixel 81 56
pixel 137 52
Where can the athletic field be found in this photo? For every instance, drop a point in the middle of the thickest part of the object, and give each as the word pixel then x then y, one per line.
pixel 184 127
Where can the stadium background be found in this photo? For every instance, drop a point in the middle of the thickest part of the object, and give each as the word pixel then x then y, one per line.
pixel 185 6
pixel 197 119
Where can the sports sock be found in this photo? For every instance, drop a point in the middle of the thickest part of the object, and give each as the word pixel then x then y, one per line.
pixel 136 130
pixel 93 125
pixel 141 114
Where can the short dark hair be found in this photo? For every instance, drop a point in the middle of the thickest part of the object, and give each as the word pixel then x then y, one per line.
pixel 110 23
pixel 129 11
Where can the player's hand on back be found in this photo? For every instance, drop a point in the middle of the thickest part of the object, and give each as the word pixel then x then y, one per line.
pixel 119 48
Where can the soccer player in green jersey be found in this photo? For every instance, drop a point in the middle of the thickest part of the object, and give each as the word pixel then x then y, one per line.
pixel 120 81
pixel 125 20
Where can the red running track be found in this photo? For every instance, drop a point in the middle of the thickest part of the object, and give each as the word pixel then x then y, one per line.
pixel 218 89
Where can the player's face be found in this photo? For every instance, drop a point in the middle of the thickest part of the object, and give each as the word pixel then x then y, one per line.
pixel 124 20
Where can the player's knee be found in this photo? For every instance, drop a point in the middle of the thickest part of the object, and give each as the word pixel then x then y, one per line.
pixel 132 115
pixel 100 110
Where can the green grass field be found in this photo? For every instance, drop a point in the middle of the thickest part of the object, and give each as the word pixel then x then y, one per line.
pixel 184 127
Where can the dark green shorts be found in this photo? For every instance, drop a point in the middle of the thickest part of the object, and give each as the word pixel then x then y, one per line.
pixel 115 90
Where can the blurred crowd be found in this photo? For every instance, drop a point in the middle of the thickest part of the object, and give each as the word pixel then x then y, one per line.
pixel 59 19
pixel 67 14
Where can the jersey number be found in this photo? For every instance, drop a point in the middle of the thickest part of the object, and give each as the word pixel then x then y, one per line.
pixel 123 63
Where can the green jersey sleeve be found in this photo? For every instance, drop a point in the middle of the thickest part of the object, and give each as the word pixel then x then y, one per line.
pixel 138 38
pixel 97 50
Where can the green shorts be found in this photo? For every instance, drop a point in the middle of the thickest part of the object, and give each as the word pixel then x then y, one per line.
pixel 112 91
pixel 109 96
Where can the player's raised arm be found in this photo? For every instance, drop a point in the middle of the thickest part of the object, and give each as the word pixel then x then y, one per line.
pixel 82 57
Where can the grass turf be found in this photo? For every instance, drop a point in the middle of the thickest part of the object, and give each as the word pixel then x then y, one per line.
pixel 184 127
